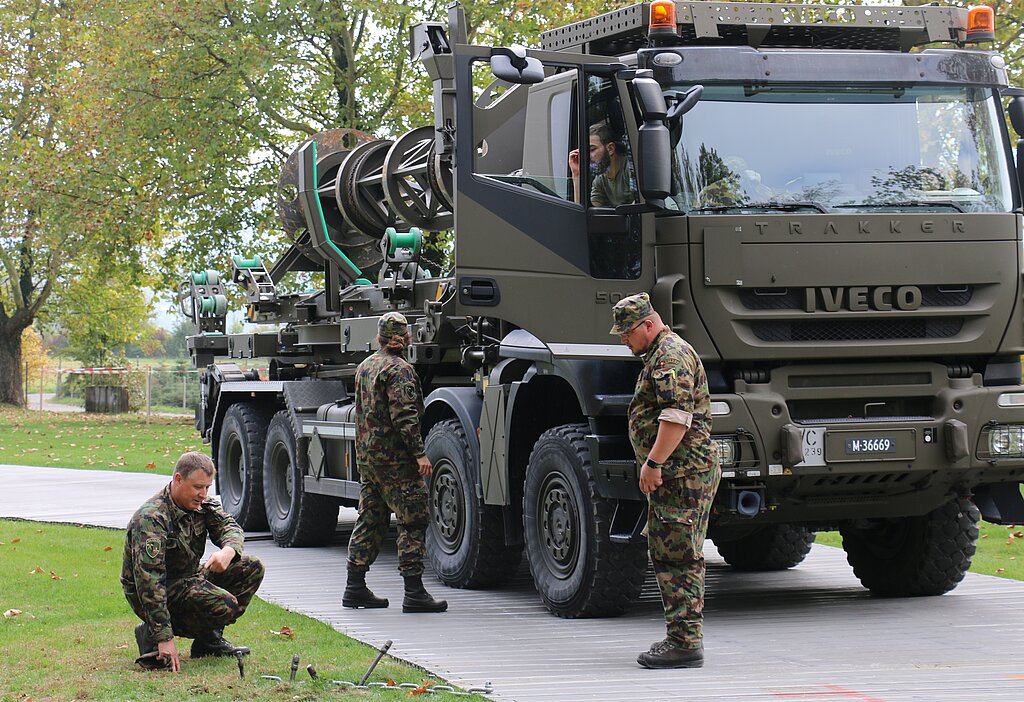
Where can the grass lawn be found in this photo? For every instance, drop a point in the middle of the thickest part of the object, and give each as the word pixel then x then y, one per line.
pixel 72 636
pixel 1000 550
pixel 96 441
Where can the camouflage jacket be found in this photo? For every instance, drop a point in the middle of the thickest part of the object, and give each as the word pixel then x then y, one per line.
pixel 673 378
pixel 164 544
pixel 389 405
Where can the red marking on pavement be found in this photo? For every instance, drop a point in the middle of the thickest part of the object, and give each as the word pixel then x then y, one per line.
pixel 832 692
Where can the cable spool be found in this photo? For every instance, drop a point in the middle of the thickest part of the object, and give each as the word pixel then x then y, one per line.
pixel 408 187
pixel 332 153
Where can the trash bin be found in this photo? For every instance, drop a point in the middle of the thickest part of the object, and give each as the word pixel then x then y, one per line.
pixel 106 399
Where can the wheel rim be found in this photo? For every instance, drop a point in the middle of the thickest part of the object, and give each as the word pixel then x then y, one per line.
pixel 281 485
pixel 233 474
pixel 448 509
pixel 559 522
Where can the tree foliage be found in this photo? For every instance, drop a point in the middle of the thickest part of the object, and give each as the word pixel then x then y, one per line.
pixel 73 191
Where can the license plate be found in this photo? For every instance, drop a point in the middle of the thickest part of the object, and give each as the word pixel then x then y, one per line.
pixel 870 445
pixel 812 445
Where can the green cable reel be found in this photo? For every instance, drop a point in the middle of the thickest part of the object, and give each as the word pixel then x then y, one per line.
pixel 242 262
pixel 205 277
pixel 213 304
pixel 411 240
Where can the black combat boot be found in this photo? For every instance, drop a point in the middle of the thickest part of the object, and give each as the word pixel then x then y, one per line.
pixel 213 643
pixel 148 649
pixel 417 599
pixel 358 595
pixel 669 654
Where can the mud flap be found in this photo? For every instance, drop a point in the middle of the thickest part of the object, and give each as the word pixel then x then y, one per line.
pixel 1000 503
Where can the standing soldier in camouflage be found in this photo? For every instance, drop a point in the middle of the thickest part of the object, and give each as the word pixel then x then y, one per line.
pixel 163 580
pixel 670 429
pixel 392 467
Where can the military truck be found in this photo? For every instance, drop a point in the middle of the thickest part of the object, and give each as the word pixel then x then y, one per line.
pixel 822 200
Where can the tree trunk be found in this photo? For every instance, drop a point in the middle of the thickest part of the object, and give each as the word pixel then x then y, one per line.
pixel 11 371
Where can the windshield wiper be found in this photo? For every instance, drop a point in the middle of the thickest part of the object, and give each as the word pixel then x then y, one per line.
pixel 782 206
pixel 907 203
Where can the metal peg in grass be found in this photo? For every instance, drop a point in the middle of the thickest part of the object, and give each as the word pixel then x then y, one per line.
pixel 380 654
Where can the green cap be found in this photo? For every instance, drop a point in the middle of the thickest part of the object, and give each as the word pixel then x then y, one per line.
pixel 630 311
pixel 392 324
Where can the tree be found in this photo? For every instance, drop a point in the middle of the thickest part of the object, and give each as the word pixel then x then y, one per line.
pixel 73 191
pixel 101 313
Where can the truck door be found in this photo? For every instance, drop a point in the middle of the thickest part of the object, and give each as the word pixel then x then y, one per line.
pixel 536 247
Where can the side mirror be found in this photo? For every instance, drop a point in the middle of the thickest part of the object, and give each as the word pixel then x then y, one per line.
pixel 512 65
pixel 1016 112
pixel 655 152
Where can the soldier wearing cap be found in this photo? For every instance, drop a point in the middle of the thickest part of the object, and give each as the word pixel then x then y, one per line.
pixel 670 429
pixel 161 574
pixel 393 466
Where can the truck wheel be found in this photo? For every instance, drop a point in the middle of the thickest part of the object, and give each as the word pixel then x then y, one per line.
pixel 297 518
pixel 240 465
pixel 772 547
pixel 465 538
pixel 914 556
pixel 577 570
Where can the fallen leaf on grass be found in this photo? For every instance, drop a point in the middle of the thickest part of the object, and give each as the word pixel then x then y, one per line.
pixel 984 536
pixel 39 531
pixel 285 631
pixel 151 465
pixel 14 541
pixel 121 645
pixel 54 576
pixel 1000 570
pixel 35 570
pixel 12 613
pixel 1018 535
pixel 391 683
pixel 108 548
pixel 418 691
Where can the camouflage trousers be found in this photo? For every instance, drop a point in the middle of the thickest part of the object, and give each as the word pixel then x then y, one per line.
pixel 206 601
pixel 677 523
pixel 383 490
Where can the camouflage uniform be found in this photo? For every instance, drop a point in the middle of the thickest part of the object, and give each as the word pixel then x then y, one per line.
pixel 673 380
pixel 161 576
pixel 389 405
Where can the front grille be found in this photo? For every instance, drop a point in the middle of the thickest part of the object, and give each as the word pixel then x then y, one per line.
pixel 793 298
pixel 856 330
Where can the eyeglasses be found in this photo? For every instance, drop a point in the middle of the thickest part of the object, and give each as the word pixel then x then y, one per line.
pixel 625 334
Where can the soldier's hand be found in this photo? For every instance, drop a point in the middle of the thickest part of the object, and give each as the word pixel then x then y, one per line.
pixel 423 463
pixel 650 479
pixel 574 163
pixel 167 651
pixel 219 561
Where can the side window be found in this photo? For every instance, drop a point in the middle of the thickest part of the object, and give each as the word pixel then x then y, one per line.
pixel 611 179
pixel 524 134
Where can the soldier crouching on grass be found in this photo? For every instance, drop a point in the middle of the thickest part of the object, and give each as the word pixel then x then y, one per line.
pixel 162 577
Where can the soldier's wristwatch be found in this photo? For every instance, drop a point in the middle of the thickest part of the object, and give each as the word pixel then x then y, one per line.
pixel 652 465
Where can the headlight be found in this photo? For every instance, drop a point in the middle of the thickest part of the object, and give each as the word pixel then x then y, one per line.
pixel 1006 440
pixel 726 452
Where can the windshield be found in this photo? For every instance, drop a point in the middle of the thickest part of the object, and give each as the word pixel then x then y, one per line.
pixel 844 149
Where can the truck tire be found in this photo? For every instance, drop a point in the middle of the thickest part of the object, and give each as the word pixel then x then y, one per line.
pixel 296 517
pixel 240 464
pixel 577 570
pixel 465 538
pixel 914 556
pixel 772 547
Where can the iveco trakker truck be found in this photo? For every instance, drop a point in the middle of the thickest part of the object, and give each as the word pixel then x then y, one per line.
pixel 823 200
